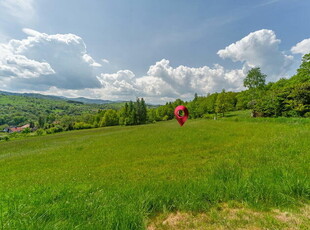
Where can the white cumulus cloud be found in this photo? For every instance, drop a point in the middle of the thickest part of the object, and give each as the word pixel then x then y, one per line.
pixel 187 80
pixel 41 61
pixel 163 82
pixel 59 64
pixel 120 83
pixel 260 49
pixel 90 61
pixel 302 47
pixel 19 66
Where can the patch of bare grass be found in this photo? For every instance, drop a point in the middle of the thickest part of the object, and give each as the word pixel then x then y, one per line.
pixel 233 216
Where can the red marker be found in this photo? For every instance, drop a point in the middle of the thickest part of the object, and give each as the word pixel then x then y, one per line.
pixel 181 114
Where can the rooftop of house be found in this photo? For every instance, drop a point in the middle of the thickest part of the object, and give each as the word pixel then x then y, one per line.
pixel 16 129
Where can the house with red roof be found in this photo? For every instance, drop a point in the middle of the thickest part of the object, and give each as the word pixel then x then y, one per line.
pixel 16 129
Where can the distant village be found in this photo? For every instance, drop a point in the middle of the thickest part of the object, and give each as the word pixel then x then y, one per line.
pixel 16 129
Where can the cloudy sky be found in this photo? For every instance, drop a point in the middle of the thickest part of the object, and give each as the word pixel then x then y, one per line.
pixel 160 50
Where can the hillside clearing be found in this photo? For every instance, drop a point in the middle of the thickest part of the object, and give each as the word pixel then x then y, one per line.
pixel 123 177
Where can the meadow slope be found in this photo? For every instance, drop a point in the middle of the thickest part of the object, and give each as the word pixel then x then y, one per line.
pixel 123 177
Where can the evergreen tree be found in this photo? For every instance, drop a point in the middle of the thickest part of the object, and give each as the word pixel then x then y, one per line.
pixel 143 115
pixel 41 122
pixel 124 115
pixel 195 97
pixel 138 112
pixel 131 114
pixel 126 109
pixel 133 117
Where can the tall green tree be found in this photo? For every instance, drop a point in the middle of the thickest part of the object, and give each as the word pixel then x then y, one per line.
pixel 194 107
pixel 143 111
pixel 222 103
pixel 110 118
pixel 255 82
pixel 254 79
pixel 138 111
pixel 131 114
pixel 211 102
pixel 41 122
pixel 152 115
pixel 124 115
pixel 303 73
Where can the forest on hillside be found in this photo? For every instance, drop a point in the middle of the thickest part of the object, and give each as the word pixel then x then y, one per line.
pixel 286 97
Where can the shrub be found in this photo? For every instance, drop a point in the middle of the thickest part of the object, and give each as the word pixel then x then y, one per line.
pixel 166 118
pixel 4 138
pixel 39 132
pixel 26 130
pixel 208 116
pixel 55 129
pixel 110 118
pixel 82 125
pixel 290 113
pixel 307 114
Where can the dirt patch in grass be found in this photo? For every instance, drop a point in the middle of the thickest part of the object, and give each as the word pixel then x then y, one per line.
pixel 294 220
pixel 233 216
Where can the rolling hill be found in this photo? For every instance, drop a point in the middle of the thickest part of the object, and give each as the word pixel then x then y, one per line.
pixel 51 97
pixel 141 177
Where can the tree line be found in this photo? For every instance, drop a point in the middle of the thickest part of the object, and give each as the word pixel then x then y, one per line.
pixel 286 97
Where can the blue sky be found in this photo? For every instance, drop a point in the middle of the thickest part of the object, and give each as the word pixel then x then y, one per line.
pixel 160 50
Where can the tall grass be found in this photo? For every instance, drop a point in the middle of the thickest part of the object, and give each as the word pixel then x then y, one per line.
pixel 118 177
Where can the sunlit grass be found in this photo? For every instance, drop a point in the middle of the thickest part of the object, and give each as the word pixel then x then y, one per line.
pixel 119 177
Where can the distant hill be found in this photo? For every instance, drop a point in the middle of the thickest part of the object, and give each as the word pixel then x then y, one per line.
pixel 51 97
pixel 92 101
pixel 17 109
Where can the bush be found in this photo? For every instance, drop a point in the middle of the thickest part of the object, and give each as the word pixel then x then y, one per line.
pixel 82 125
pixel 4 138
pixel 208 116
pixel 26 130
pixel 55 129
pixel 290 113
pixel 307 114
pixel 110 118
pixel 14 135
pixel 39 132
pixel 166 118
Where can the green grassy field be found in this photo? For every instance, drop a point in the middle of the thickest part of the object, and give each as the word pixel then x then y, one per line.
pixel 129 177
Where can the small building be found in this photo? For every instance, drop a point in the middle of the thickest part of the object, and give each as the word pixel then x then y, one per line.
pixel 16 129
pixel 6 130
pixel 25 126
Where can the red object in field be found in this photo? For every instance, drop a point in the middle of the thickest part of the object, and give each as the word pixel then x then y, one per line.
pixel 181 118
